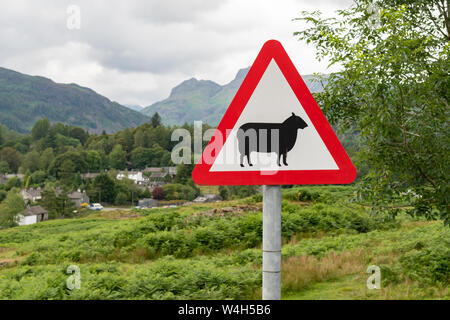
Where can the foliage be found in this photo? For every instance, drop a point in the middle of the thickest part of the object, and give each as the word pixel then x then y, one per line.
pixel 194 254
pixel 105 187
pixel 57 203
pixel 13 182
pixel 12 157
pixel 393 89
pixel 121 198
pixel 155 120
pixel 175 191
pixel 9 208
pixel 158 193
pixel 118 157
pixel 238 192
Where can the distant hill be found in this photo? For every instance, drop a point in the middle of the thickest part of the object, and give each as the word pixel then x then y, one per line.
pixel 25 99
pixel 203 100
pixel 134 107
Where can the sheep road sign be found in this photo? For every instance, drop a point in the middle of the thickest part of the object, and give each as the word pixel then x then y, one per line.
pixel 273 132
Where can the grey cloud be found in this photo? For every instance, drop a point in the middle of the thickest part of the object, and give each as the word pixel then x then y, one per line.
pixel 174 11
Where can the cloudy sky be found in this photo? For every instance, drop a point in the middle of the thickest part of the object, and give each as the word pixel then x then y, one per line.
pixel 136 51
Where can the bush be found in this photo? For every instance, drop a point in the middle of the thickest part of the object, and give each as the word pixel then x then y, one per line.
pixel 121 198
pixel 158 193
pixel 179 192
pixel 430 264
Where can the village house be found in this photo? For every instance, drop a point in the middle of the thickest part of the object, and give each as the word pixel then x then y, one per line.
pixel 158 176
pixel 171 171
pixel 32 215
pixel 150 170
pixel 136 176
pixel 31 194
pixel 79 197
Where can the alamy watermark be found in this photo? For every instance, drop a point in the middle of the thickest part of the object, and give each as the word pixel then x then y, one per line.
pixel 73 21
pixel 374 281
pixel 74 281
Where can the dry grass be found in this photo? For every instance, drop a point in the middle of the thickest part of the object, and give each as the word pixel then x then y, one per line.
pixel 300 272
pixel 115 214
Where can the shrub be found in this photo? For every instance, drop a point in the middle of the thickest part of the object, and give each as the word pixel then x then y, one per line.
pixel 177 191
pixel 121 198
pixel 158 193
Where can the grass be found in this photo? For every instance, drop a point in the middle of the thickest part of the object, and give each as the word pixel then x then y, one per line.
pixel 213 251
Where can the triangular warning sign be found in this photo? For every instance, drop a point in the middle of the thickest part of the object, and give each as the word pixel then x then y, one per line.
pixel 273 132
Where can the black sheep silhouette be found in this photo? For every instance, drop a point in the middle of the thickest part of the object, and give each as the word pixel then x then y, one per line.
pixel 249 135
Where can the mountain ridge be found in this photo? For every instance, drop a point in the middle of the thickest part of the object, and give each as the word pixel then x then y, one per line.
pixel 204 100
pixel 24 99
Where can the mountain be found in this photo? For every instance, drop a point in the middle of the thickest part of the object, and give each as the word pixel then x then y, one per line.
pixel 203 100
pixel 134 107
pixel 25 99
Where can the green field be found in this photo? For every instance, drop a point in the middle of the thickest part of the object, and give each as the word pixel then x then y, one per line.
pixel 213 251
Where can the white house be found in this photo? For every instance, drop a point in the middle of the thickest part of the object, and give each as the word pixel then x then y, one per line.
pixel 32 215
pixel 136 176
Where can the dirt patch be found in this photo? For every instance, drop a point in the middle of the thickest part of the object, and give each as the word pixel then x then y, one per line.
pixel 5 263
pixel 227 211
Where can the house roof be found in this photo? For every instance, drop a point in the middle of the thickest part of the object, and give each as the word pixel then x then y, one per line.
pixel 158 174
pixel 153 169
pixel 31 211
pixel 33 192
pixel 76 195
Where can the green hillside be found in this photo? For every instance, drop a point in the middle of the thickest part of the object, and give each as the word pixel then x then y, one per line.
pixel 25 99
pixel 203 100
pixel 213 251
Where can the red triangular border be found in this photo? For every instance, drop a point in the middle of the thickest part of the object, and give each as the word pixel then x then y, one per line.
pixel 273 49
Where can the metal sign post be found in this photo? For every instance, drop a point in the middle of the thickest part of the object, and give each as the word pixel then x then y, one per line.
pixel 271 281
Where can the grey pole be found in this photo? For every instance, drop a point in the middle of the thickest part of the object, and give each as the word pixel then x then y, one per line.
pixel 271 281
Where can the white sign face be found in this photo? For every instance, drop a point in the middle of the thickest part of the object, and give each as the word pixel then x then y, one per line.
pixel 273 102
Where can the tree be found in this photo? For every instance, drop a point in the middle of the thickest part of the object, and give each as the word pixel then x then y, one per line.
pixel 67 172
pixel 76 157
pixel 146 193
pixel 179 192
pixel 121 198
pixel 118 157
pixel 223 192
pixel 38 177
pixel 4 167
pixel 13 182
pixel 393 89
pixel 94 160
pixel 79 133
pixel 57 205
pixel 9 208
pixel 158 193
pixel 40 129
pixel 104 188
pixel 46 159
pixel 12 157
pixel 184 173
pixel 156 120
pixel 141 157
pixel 31 161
